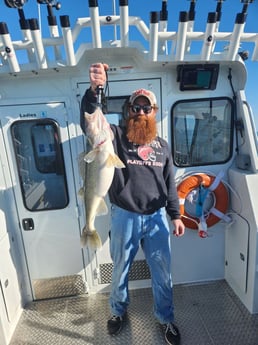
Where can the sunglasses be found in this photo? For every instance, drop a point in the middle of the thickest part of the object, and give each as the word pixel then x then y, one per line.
pixel 136 108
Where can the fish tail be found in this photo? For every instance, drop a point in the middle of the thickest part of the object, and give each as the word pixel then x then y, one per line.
pixel 93 240
pixel 90 238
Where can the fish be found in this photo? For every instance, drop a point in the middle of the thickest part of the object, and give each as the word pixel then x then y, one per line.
pixel 97 167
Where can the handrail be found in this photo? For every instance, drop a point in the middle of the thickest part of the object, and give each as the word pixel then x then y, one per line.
pixel 254 130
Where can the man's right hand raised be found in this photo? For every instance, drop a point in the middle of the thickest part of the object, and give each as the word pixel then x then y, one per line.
pixel 97 73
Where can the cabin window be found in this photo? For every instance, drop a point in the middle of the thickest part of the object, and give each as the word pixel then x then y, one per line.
pixel 40 164
pixel 202 131
pixel 117 110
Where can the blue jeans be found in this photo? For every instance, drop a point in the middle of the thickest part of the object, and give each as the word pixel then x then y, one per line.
pixel 128 230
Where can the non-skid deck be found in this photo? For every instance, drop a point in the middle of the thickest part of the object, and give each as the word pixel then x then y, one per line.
pixel 206 314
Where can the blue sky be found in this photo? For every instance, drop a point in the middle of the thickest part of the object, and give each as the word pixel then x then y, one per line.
pixel 142 8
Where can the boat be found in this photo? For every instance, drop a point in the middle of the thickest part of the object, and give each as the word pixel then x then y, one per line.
pixel 52 289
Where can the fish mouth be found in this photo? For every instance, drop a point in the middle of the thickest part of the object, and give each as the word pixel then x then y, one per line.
pixel 101 143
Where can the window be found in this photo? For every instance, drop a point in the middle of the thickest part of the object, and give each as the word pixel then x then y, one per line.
pixel 202 131
pixel 40 164
pixel 117 110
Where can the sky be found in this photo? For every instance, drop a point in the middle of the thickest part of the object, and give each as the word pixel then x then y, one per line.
pixel 142 8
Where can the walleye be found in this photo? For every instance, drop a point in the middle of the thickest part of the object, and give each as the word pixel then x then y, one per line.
pixel 97 168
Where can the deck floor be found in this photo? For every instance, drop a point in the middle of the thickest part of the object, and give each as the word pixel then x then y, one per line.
pixel 206 314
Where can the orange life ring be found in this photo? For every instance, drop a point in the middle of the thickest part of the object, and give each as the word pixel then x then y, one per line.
pixel 220 193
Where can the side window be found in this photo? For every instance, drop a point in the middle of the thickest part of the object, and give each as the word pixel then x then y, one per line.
pixel 202 131
pixel 40 164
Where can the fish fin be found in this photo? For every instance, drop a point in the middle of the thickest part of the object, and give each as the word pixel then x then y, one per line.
pixel 90 238
pixel 119 164
pixel 90 156
pixel 114 161
pixel 102 208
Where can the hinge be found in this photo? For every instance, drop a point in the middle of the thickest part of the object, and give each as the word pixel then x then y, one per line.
pixel 78 95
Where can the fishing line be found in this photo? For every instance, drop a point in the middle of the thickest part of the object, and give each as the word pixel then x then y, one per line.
pixel 106 93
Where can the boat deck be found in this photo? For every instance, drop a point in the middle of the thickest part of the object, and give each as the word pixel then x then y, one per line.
pixel 206 314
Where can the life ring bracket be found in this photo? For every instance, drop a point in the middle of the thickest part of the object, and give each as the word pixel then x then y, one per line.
pixel 209 184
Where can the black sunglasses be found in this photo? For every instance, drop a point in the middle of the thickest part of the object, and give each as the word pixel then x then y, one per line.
pixel 136 108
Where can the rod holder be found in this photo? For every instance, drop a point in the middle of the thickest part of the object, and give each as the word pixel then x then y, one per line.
pixel 95 24
pixel 208 44
pixel 153 37
pixel 236 35
pixel 9 49
pixel 38 44
pixel 124 23
pixel 181 36
pixel 68 40
pixel 163 25
pixel 190 26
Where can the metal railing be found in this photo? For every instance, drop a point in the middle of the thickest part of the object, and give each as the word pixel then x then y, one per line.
pixel 157 43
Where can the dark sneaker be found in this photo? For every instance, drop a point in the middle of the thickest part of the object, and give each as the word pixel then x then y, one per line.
pixel 172 334
pixel 115 324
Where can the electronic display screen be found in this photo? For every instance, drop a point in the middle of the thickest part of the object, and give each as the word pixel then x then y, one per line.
pixel 198 77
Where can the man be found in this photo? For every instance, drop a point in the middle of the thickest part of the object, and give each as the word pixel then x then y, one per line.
pixel 141 194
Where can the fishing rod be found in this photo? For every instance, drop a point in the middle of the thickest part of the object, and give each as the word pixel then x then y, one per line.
pixel 99 93
pixel 246 4
pixel 219 9
pixel 191 11
pixel 50 5
pixel 19 5
pixel 15 3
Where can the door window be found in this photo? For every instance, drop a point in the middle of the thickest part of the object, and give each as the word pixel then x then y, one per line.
pixel 40 163
pixel 202 131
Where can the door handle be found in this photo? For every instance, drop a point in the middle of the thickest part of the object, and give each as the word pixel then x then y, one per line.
pixel 28 224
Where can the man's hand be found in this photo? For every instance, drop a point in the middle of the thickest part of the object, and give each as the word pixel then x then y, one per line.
pixel 179 227
pixel 97 73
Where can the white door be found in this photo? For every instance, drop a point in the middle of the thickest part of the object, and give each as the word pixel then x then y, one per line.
pixel 37 144
pixel 101 261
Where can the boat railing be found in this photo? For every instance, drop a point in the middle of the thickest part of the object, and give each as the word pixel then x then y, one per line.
pixel 61 49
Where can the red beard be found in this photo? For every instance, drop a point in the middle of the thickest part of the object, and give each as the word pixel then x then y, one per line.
pixel 141 129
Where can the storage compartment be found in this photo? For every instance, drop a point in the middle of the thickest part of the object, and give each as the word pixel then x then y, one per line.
pixel 236 256
pixel 10 298
pixel 242 239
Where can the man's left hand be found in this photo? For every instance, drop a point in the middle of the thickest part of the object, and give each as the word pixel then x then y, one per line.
pixel 179 227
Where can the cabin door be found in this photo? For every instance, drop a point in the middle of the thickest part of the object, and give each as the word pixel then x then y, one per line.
pixel 101 262
pixel 39 152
